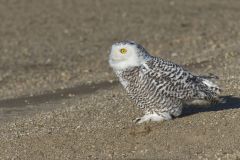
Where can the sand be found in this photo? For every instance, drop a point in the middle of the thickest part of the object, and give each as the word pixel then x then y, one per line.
pixel 61 100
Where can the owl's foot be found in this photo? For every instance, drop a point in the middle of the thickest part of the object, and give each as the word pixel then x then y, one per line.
pixel 153 117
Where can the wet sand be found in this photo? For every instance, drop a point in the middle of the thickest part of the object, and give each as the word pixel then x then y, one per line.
pixel 61 100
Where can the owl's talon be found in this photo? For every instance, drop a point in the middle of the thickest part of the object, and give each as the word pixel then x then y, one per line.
pixel 153 117
pixel 136 120
pixel 142 119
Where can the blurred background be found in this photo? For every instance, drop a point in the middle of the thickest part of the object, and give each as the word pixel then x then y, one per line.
pixel 54 58
pixel 45 45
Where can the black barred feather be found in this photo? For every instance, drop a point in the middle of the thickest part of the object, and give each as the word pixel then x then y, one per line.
pixel 160 85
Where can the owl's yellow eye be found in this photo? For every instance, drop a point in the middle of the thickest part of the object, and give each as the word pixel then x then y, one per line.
pixel 123 50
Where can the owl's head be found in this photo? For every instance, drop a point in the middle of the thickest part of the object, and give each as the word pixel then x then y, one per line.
pixel 126 54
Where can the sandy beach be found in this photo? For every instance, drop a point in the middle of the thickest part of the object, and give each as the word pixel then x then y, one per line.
pixel 59 99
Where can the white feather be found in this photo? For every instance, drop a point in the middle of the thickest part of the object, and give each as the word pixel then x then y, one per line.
pixel 209 83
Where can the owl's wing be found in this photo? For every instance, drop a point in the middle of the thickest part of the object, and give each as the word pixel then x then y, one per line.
pixel 174 81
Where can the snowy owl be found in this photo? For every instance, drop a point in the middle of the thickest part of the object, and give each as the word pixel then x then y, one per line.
pixel 157 86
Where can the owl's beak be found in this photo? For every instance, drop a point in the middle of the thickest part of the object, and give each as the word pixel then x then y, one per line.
pixel 117 59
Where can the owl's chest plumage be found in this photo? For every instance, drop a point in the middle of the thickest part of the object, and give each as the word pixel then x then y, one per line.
pixel 145 90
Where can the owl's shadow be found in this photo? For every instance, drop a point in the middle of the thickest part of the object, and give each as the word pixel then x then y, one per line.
pixel 229 102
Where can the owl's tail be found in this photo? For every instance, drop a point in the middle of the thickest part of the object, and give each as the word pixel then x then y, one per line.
pixel 210 90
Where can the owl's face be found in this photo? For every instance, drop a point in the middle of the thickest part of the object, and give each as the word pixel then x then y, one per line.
pixel 124 55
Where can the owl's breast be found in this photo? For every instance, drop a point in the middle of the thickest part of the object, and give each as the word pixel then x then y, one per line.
pixel 130 79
